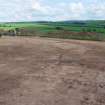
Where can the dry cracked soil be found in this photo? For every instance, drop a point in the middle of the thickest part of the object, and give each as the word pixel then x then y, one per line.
pixel 37 71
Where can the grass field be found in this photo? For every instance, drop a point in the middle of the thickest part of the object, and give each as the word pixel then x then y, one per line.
pixel 92 30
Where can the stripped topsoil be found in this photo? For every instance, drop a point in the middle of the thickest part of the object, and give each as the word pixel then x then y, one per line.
pixel 37 71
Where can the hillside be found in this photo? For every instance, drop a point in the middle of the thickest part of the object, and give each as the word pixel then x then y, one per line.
pixel 82 30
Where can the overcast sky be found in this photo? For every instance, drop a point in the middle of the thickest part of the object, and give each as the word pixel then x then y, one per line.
pixel 34 10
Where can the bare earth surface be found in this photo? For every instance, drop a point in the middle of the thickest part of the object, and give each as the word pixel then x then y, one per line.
pixel 36 71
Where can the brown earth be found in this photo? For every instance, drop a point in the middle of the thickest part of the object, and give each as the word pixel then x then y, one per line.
pixel 37 71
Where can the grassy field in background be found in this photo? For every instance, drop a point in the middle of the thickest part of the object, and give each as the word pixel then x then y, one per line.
pixel 63 29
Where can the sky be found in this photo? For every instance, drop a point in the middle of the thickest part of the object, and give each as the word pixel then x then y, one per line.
pixel 51 10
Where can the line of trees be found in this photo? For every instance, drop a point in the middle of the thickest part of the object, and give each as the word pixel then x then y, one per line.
pixel 12 32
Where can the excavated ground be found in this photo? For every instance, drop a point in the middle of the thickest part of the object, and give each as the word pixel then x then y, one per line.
pixel 37 71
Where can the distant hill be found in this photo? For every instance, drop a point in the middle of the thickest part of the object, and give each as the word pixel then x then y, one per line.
pixel 82 22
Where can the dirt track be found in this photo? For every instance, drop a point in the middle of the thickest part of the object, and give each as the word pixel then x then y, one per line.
pixel 36 71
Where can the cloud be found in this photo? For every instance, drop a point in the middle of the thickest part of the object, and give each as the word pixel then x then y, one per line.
pixel 33 10
pixel 59 11
pixel 37 6
pixel 98 10
pixel 77 8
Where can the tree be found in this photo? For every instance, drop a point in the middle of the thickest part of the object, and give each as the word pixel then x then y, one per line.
pixel 11 32
pixel 89 30
pixel 17 31
pixel 0 34
pixel 83 30
pixel 94 30
pixel 59 28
